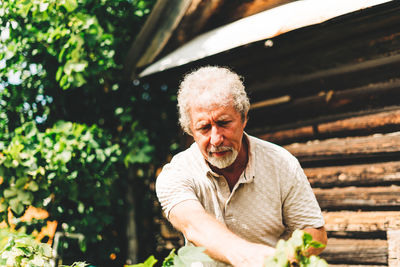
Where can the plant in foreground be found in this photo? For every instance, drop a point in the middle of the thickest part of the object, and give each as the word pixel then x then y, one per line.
pixel 186 256
pixel 295 248
pixel 22 250
pixel 292 252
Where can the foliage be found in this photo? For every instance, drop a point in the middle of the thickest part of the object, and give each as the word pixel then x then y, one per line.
pixel 22 250
pixel 295 248
pixel 70 170
pixel 50 45
pixel 62 60
pixel 185 257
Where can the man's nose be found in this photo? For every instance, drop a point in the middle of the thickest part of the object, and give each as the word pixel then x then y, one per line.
pixel 216 137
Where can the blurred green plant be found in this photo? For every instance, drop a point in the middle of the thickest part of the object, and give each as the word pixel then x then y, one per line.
pixel 183 258
pixel 70 170
pixel 22 250
pixel 294 252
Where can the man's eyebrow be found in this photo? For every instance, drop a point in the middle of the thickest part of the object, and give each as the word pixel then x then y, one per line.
pixel 201 124
pixel 223 118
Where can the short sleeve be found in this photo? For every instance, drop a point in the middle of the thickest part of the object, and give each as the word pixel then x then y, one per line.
pixel 172 187
pixel 300 207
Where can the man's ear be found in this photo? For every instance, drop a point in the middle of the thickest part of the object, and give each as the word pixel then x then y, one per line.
pixel 245 120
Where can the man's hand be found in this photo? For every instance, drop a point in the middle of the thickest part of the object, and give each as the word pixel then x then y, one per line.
pixel 204 230
pixel 252 254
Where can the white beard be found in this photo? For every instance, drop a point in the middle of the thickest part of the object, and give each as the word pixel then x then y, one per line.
pixel 225 161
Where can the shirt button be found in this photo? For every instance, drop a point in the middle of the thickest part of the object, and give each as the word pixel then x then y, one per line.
pixel 223 183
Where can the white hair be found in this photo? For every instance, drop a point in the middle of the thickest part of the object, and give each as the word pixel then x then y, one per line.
pixel 209 86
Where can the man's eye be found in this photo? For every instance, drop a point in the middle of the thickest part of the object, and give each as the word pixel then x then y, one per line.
pixel 204 128
pixel 223 123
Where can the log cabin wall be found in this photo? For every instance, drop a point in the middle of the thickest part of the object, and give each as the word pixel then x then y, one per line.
pixel 330 94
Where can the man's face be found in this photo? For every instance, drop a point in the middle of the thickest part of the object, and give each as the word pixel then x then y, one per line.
pixel 218 131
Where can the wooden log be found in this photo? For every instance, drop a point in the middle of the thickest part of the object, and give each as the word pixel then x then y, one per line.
pixel 362 174
pixel 352 198
pixel 382 122
pixel 356 251
pixel 348 148
pixel 357 221
pixel 389 120
pixel 326 103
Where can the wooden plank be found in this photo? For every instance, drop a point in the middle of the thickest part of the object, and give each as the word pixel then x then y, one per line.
pixel 358 221
pixel 347 148
pixel 382 122
pixel 351 198
pixel 394 248
pixel 155 33
pixel 326 103
pixel 369 123
pixel 356 251
pixel 361 174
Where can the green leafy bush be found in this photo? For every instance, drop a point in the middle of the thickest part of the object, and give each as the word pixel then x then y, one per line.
pixel 69 170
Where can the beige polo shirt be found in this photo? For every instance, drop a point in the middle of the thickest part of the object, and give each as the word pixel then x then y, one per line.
pixel 271 199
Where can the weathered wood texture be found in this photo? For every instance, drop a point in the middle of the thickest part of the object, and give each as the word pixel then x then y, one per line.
pixel 356 251
pixel 352 198
pixel 356 175
pixel 394 247
pixel 356 221
pixel 382 145
pixel 382 122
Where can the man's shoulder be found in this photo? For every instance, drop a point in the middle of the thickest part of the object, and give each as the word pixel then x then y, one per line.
pixel 263 147
pixel 188 159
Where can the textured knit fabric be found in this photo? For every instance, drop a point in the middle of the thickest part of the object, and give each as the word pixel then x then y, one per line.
pixel 271 199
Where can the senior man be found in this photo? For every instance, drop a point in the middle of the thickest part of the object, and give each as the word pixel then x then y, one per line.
pixel 229 192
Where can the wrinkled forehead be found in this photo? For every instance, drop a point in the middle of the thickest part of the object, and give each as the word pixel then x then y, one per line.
pixel 211 99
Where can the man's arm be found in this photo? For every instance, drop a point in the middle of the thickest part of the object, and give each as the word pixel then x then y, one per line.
pixel 318 234
pixel 220 243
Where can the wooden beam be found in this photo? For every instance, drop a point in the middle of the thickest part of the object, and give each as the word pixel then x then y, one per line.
pixel 155 33
pixel 327 103
pixel 382 122
pixel 368 123
pixel 348 148
pixel 356 251
pixel 362 174
pixel 193 22
pixel 351 198
pixel 361 221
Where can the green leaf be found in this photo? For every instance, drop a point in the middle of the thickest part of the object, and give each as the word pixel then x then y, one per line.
pixel 21 182
pixel 316 244
pixel 315 261
pixel 59 73
pixel 25 198
pixel 33 186
pixel 70 5
pixel 10 192
pixel 16 206
pixel 148 263
pixel 188 255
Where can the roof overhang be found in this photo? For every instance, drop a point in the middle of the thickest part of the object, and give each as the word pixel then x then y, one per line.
pixel 261 26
